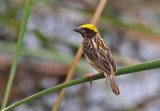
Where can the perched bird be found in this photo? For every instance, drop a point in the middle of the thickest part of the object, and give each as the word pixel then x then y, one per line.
pixel 98 54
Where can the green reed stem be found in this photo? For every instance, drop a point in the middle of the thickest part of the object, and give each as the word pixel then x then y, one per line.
pixel 27 10
pixel 129 69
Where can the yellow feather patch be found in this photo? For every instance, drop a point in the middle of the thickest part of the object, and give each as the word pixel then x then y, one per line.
pixel 90 26
pixel 103 44
pixel 95 45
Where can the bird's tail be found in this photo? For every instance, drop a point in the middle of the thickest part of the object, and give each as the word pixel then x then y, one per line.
pixel 113 84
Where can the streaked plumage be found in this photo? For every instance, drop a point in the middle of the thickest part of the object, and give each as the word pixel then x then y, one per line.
pixel 98 54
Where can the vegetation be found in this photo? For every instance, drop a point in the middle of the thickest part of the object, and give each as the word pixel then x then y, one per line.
pixel 47 44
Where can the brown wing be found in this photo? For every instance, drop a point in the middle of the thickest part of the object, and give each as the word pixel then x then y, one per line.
pixel 106 61
pixel 100 56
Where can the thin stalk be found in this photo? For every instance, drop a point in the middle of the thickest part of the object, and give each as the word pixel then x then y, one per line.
pixel 27 10
pixel 94 20
pixel 68 78
pixel 130 69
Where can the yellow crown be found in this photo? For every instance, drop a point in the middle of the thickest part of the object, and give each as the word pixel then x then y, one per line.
pixel 90 26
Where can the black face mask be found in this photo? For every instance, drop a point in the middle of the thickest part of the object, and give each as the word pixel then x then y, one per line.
pixel 88 33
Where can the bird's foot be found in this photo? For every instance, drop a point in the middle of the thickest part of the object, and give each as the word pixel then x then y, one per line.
pixel 91 76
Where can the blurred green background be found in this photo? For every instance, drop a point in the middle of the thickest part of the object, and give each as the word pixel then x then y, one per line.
pixel 130 28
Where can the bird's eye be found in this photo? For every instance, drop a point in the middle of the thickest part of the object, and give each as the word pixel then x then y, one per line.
pixel 86 29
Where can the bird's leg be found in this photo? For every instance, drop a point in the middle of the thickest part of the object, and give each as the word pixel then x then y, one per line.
pixel 106 80
pixel 105 76
pixel 92 75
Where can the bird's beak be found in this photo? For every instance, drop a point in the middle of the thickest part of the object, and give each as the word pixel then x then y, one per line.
pixel 78 29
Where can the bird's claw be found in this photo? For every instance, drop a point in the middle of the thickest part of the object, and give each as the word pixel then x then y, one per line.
pixel 90 77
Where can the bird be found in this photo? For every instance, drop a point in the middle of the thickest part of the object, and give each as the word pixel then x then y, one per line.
pixel 98 54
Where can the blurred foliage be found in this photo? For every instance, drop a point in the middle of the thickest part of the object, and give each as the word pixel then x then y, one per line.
pixel 131 29
pixel 130 69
